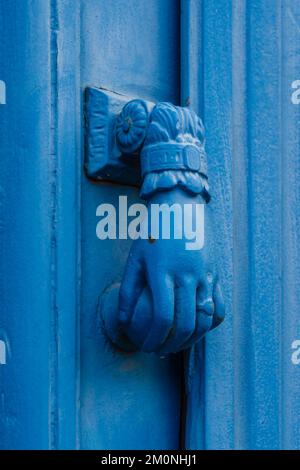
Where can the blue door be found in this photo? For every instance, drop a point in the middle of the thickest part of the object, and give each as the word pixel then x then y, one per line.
pixel 62 384
pixel 127 400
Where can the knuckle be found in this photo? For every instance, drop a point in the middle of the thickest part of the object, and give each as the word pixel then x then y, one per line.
pixel 207 306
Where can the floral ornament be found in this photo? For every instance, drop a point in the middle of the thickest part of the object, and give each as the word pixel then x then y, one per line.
pixel 131 126
pixel 169 123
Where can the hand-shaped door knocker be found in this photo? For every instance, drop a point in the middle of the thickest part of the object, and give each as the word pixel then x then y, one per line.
pixel 170 294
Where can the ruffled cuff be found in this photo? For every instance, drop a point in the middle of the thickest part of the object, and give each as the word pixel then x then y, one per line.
pixel 190 181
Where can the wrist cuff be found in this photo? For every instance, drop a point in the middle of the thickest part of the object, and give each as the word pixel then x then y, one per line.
pixel 175 156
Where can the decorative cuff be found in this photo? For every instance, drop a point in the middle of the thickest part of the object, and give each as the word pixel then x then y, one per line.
pixel 191 181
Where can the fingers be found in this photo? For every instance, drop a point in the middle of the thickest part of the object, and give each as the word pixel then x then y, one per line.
pixel 162 290
pixel 138 328
pixel 205 301
pixel 204 312
pixel 185 318
pixel 131 288
pixel 177 320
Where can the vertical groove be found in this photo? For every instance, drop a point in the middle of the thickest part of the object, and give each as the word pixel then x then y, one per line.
pixel 183 402
pixel 249 329
pixel 78 284
pixel 183 64
pixel 79 223
pixel 191 94
pixel 240 220
pixel 66 170
pixel 281 254
pixel 53 162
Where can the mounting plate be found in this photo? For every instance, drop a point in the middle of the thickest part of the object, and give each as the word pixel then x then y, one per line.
pixel 103 158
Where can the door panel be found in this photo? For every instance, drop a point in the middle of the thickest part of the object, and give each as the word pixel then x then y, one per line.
pixel 127 400
pixel 250 51
pixel 25 277
pixel 62 385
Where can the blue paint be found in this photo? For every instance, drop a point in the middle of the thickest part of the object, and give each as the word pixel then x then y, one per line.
pixel 169 142
pixel 164 273
pixel 126 400
pixel 25 280
pixel 217 94
pixel 250 55
pixel 290 229
pixel 38 239
pixel 238 62
pixel 105 156
pixel 40 226
pixel 258 239
pixel 178 276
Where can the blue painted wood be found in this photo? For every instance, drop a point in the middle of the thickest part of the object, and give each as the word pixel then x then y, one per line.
pixel 249 59
pixel 41 138
pixel 239 59
pixel 66 144
pixel 217 102
pixel 258 340
pixel 127 401
pixel 26 225
pixel 191 84
pixel 206 87
pixel 290 226
pixel 105 156
pixel 39 220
